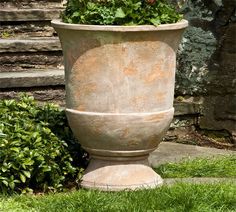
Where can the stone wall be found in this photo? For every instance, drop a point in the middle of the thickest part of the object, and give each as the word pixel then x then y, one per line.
pixel 207 61
pixel 31 61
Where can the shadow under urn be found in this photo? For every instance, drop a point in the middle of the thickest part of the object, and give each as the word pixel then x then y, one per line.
pixel 119 97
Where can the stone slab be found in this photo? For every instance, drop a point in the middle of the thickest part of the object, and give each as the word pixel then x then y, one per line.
pixel 174 152
pixel 29 14
pixel 32 78
pixel 12 62
pixel 29 45
pixel 187 108
pixel 30 4
pixel 27 29
pixel 53 94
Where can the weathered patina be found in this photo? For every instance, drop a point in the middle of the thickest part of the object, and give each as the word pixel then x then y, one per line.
pixel 119 97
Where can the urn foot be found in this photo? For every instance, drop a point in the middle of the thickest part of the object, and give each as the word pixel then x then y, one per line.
pixel 120 175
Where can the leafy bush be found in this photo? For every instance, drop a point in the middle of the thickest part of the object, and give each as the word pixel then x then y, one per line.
pixel 120 12
pixel 36 147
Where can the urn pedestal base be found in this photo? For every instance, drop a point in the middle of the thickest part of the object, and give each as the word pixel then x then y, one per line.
pixel 120 175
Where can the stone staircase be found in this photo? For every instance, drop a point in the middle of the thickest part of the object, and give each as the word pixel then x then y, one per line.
pixel 30 52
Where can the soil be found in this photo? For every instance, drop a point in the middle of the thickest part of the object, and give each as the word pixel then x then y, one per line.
pixel 214 139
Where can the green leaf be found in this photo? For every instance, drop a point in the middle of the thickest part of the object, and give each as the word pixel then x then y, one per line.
pixel 119 13
pixel 15 149
pixel 47 168
pixel 22 177
pixel 75 14
pixel 27 174
pixel 2 135
pixel 91 6
pixel 155 21
pixel 12 185
pixel 4 169
pixel 28 162
pixel 5 182
pixel 38 139
pixel 35 134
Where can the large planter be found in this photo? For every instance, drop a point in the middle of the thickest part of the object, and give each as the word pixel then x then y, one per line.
pixel 119 97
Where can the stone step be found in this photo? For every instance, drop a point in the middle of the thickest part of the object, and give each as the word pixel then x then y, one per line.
pixel 30 53
pixel 170 152
pixel 13 15
pixel 33 44
pixel 26 29
pixel 188 108
pixel 24 61
pixel 33 78
pixel 31 4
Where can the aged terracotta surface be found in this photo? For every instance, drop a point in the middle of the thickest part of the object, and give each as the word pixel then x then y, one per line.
pixel 119 97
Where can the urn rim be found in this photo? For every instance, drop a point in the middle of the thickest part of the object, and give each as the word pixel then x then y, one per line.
pixel 57 23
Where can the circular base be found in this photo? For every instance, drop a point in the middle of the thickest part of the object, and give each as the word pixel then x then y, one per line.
pixel 120 175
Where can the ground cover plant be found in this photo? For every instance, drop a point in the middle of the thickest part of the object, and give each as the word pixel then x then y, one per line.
pixel 37 149
pixel 120 12
pixel 179 197
pixel 218 166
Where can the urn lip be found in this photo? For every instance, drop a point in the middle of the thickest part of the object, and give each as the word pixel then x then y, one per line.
pixel 137 114
pixel 112 28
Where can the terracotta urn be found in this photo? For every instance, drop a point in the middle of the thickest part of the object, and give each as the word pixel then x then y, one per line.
pixel 119 97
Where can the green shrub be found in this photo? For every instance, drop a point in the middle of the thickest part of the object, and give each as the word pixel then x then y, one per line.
pixel 36 147
pixel 120 12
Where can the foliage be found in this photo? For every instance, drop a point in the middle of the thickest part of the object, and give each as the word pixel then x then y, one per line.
pixel 120 12
pixel 175 198
pixel 221 166
pixel 33 151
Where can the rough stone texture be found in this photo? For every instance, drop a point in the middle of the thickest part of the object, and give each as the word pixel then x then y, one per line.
pixel 220 113
pixel 188 107
pixel 207 61
pixel 28 14
pixel 196 49
pixel 29 4
pixel 31 78
pixel 16 61
pixel 29 45
pixel 54 94
pixel 26 29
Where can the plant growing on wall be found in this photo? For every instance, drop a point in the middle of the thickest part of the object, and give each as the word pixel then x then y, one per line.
pixel 120 12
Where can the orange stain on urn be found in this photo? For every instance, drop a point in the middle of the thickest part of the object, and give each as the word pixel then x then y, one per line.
pixel 81 108
pixel 125 133
pixel 155 118
pixel 138 102
pixel 154 74
pixel 130 70
pixel 151 77
pixel 85 89
pixel 161 96
pixel 89 88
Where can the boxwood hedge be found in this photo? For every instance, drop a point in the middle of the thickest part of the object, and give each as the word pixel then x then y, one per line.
pixel 37 149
